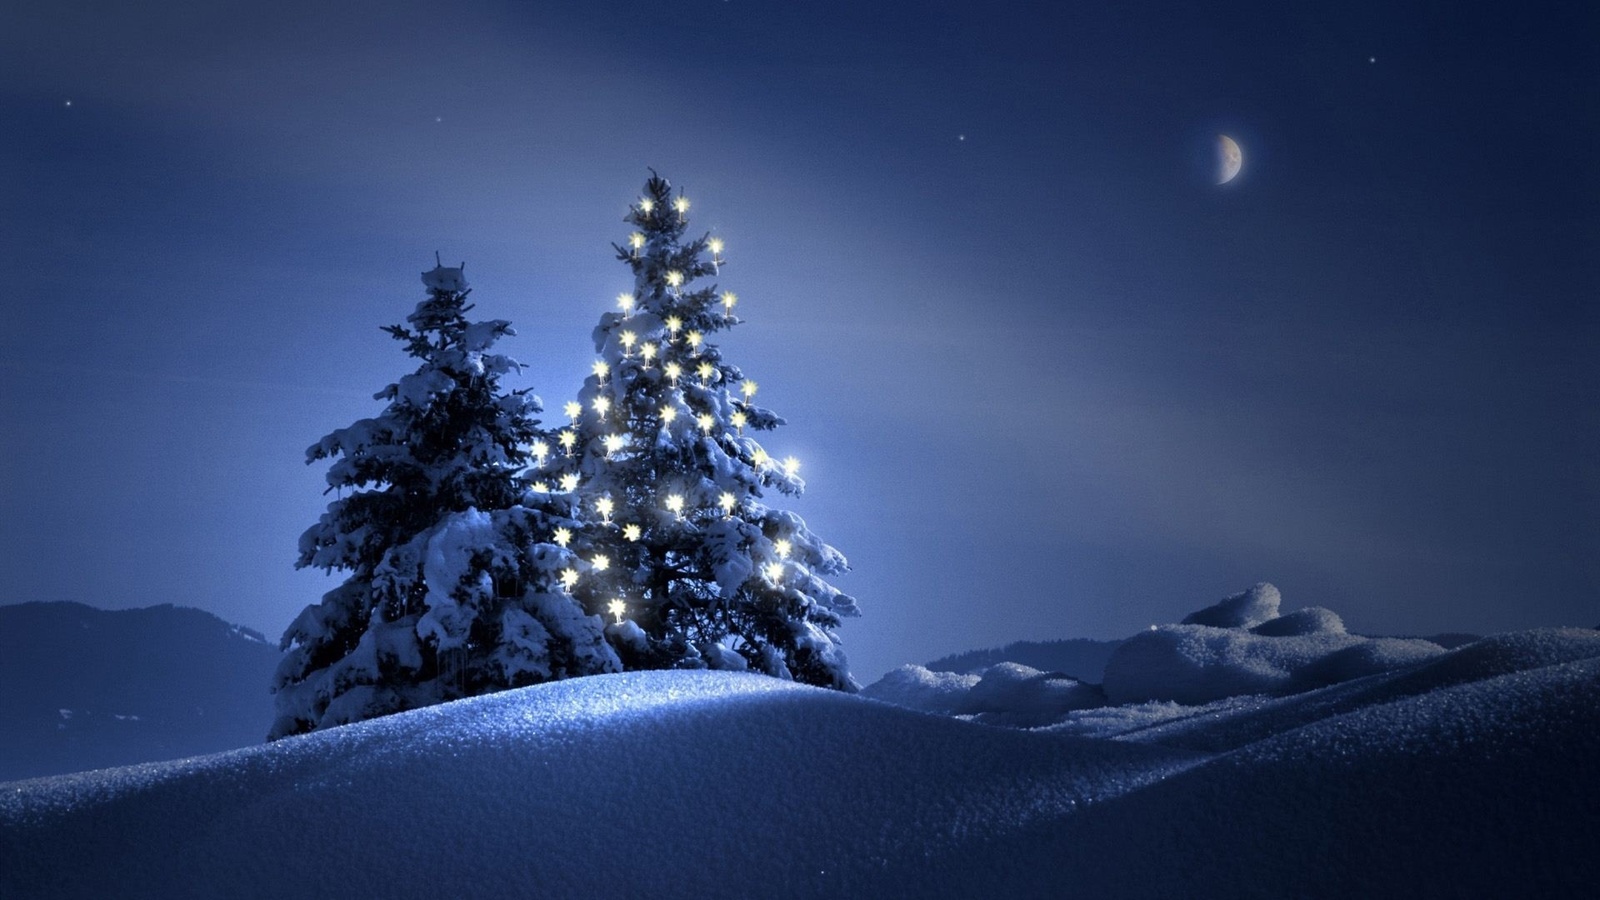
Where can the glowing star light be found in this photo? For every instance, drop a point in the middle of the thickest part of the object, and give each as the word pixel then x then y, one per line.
pixel 603 506
pixel 773 571
pixel 569 482
pixel 540 451
pixel 791 466
pixel 567 440
pixel 625 302
pixel 673 371
pixel 738 421
pixel 681 205
pixel 574 410
pixel 705 371
pixel 541 487
pixel 715 244
pixel 647 206
pixel 613 443
pixel 782 547
pixel 706 421
pixel 601 404
pixel 628 339
pixel 631 532
pixel 600 369
pixel 727 501
pixel 569 577
pixel 636 241
pixel 673 324
pixel 674 280
pixel 648 351
pixel 601 562
pixel 675 504
pixel 729 298
pixel 668 413
pixel 563 536
pixel 748 388
pixel 760 457
pixel 695 338
pixel 617 608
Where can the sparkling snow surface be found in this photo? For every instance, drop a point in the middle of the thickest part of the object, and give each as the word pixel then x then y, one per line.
pixel 1469 773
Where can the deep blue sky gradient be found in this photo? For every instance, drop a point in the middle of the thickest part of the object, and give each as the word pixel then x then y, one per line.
pixel 1045 378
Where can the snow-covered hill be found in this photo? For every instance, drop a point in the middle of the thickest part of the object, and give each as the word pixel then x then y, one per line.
pixel 83 688
pixel 1467 773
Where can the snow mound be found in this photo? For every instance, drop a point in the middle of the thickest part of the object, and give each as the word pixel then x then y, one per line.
pixel 1242 646
pixel 1021 697
pixel 648 784
pixel 914 687
pixel 1197 664
pixel 1242 610
pixel 1007 694
pixel 1194 664
pixel 1311 620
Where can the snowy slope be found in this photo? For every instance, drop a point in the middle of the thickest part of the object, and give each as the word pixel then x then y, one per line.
pixel 1471 775
pixel 1467 774
pixel 83 688
pixel 641 785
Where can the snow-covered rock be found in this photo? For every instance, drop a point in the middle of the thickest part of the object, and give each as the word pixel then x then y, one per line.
pixel 1021 697
pixel 1008 694
pixel 1197 664
pixel 1242 646
pixel 1243 610
pixel 915 687
pixel 1262 653
pixel 1311 620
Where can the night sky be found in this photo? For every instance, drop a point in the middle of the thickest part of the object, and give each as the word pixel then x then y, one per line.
pixel 1046 378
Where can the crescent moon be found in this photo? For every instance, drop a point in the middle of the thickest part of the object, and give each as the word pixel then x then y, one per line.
pixel 1229 159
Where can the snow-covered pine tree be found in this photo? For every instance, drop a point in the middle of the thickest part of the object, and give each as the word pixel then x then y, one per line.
pixel 454 586
pixel 676 544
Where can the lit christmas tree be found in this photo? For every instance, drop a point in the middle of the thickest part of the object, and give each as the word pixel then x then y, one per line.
pixel 661 459
pixel 455 586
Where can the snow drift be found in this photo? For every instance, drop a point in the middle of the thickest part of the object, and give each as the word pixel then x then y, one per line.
pixel 1466 773
pixel 1243 646
pixel 1237 647
pixel 1003 694
pixel 667 784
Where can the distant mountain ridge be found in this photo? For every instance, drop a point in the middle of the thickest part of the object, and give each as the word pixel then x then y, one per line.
pixel 1082 658
pixel 85 688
